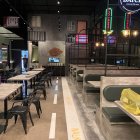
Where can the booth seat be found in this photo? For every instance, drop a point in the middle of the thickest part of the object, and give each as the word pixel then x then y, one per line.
pixel 90 93
pixel 114 123
pixel 79 78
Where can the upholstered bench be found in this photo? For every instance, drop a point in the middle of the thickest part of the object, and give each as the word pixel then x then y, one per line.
pixel 73 74
pixel 97 110
pixel 114 115
pixel 90 92
pixel 79 78
pixel 116 125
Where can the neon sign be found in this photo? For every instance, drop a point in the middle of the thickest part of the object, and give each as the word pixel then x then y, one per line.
pixel 132 6
pixel 81 38
pixel 108 21
pixel 127 21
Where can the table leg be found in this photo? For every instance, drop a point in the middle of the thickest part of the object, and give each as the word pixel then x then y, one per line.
pixel 34 81
pixel 31 83
pixel 5 108
pixel 25 88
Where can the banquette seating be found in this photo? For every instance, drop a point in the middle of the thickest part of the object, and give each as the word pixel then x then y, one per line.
pixel 113 122
pixel 90 93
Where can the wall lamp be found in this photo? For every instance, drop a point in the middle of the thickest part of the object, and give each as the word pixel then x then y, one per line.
pixel 129 33
pixel 107 32
pixel 97 44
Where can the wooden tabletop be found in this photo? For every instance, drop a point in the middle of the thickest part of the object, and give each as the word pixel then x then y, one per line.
pixel 6 89
pixel 95 83
pixel 32 72
pixel 22 77
pixel 136 118
pixel 38 69
pixel 81 75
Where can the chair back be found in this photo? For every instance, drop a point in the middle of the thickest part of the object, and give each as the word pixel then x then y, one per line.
pixel 28 101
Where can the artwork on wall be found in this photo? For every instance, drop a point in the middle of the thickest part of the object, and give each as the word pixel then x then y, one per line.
pixel 55 52
pixel 81 27
pixel 51 49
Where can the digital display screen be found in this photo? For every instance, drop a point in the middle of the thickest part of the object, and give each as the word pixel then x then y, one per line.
pixel 122 61
pixel 111 39
pixel 54 60
pixel 82 38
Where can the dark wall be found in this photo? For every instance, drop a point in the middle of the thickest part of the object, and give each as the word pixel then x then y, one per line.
pixel 16 56
pixel 19 44
pixel 16 47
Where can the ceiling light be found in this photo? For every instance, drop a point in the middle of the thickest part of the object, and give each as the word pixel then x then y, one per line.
pixel 58 11
pixel 58 2
pixel 10 10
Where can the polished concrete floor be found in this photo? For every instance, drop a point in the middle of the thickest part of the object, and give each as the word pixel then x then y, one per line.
pixel 63 110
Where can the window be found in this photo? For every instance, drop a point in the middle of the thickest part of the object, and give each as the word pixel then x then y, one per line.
pixel 70 26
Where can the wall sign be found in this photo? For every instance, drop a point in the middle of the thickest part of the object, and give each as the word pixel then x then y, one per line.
pixel 127 21
pixel 11 22
pixel 108 21
pixel 55 52
pixel 132 6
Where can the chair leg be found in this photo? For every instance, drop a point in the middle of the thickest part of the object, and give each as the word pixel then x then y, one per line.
pixel 24 121
pixel 44 93
pixel 37 108
pixel 40 107
pixel 16 116
pixel 48 83
pixel 6 124
pixel 31 118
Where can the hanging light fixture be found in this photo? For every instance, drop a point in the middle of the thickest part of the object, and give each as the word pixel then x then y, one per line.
pixel 58 2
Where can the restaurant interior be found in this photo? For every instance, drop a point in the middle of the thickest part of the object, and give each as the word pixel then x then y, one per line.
pixel 69 69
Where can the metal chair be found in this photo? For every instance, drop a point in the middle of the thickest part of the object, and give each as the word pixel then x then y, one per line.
pixel 21 110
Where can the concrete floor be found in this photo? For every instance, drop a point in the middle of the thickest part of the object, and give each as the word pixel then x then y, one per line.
pixel 55 105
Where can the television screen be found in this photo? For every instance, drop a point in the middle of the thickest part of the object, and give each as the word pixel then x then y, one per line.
pixel 118 62
pixel 83 38
pixel 122 61
pixel 54 60
pixel 111 39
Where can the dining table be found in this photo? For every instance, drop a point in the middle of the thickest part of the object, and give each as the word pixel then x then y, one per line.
pixel 136 118
pixel 95 84
pixel 24 78
pixel 8 90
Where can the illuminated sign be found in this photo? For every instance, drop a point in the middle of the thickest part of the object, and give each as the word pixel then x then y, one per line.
pixel 130 5
pixel 127 21
pixel 12 22
pixel 108 21
pixel 81 38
